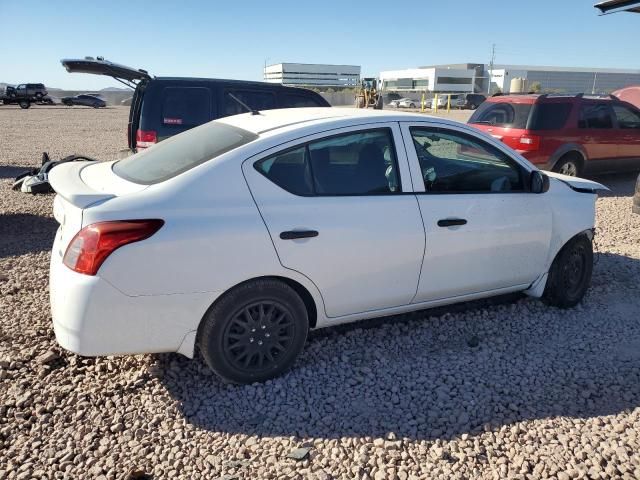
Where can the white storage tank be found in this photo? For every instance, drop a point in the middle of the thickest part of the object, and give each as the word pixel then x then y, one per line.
pixel 518 85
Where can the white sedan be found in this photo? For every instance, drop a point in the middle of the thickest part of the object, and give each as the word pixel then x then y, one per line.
pixel 240 235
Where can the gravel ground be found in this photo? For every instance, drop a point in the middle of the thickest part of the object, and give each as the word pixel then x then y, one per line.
pixel 509 390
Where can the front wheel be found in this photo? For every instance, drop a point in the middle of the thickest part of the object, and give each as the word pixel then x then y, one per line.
pixel 570 274
pixel 254 332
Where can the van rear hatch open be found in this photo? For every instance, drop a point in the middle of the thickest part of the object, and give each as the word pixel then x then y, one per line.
pixel 100 66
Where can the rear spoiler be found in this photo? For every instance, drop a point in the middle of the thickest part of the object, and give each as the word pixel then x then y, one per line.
pixel 66 181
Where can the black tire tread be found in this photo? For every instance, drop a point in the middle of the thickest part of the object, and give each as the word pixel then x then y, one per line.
pixel 553 294
pixel 213 321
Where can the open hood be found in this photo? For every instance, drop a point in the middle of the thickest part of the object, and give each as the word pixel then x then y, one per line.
pixel 577 183
pixel 100 66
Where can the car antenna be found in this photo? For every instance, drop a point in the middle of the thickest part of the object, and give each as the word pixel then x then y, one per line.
pixel 249 109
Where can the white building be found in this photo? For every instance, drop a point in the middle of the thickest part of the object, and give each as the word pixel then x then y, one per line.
pixel 312 74
pixel 563 79
pixel 429 80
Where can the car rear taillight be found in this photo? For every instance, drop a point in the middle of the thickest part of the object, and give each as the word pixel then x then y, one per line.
pixel 94 243
pixel 146 138
pixel 529 143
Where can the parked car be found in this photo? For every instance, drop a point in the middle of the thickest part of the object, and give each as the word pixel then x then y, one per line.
pixel 84 100
pixel 470 101
pixel 240 235
pixel 403 103
pixel 443 100
pixel 165 106
pixel 570 134
pixel 24 94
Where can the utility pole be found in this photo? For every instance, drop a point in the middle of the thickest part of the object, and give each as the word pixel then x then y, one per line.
pixel 491 63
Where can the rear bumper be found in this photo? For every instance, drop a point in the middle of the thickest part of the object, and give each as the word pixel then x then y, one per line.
pixel 91 317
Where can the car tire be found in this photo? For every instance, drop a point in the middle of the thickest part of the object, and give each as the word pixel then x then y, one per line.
pixel 570 273
pixel 412 105
pixel 254 332
pixel 24 104
pixel 570 164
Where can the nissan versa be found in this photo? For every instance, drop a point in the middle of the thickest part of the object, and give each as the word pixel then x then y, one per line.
pixel 238 236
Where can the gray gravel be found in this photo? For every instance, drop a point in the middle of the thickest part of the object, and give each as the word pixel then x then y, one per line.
pixel 513 390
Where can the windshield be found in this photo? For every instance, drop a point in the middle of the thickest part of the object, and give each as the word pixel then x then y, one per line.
pixel 502 114
pixel 181 153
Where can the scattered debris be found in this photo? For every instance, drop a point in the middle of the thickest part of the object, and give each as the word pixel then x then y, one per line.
pixel 137 474
pixel 48 357
pixel 37 180
pixel 299 454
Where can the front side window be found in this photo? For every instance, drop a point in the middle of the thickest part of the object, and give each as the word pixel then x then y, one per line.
pixel 627 118
pixel 255 100
pixel 187 106
pixel 595 115
pixel 454 162
pixel 359 163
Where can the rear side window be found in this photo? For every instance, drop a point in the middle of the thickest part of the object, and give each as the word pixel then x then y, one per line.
pixel 289 170
pixel 627 118
pixel 595 115
pixel 550 116
pixel 181 153
pixel 253 99
pixel 359 163
pixel 298 101
pixel 502 114
pixel 187 106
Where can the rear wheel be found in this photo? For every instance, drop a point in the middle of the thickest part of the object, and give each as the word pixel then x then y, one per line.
pixel 570 164
pixel 24 104
pixel 254 332
pixel 570 274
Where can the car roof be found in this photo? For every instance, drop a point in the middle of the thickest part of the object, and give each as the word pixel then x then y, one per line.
pixel 245 83
pixel 278 119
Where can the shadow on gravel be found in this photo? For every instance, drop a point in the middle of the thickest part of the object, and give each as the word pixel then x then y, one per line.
pixel 621 184
pixel 438 375
pixel 9 171
pixel 22 233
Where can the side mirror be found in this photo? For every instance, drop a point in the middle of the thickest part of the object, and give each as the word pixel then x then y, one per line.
pixel 539 182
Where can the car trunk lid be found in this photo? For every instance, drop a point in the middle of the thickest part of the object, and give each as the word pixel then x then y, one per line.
pixel 79 185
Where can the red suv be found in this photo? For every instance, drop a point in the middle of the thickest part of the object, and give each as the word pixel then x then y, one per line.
pixel 566 134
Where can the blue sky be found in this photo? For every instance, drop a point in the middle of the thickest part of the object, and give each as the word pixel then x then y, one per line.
pixel 233 39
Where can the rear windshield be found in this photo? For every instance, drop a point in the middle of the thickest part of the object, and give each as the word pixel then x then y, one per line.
pixel 502 114
pixel 181 153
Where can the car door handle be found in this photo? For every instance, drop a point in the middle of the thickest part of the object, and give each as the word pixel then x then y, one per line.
pixel 295 234
pixel 451 222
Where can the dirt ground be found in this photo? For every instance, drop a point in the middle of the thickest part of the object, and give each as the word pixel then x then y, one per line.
pixel 507 390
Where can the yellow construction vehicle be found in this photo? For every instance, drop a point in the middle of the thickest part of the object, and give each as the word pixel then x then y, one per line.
pixel 368 95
